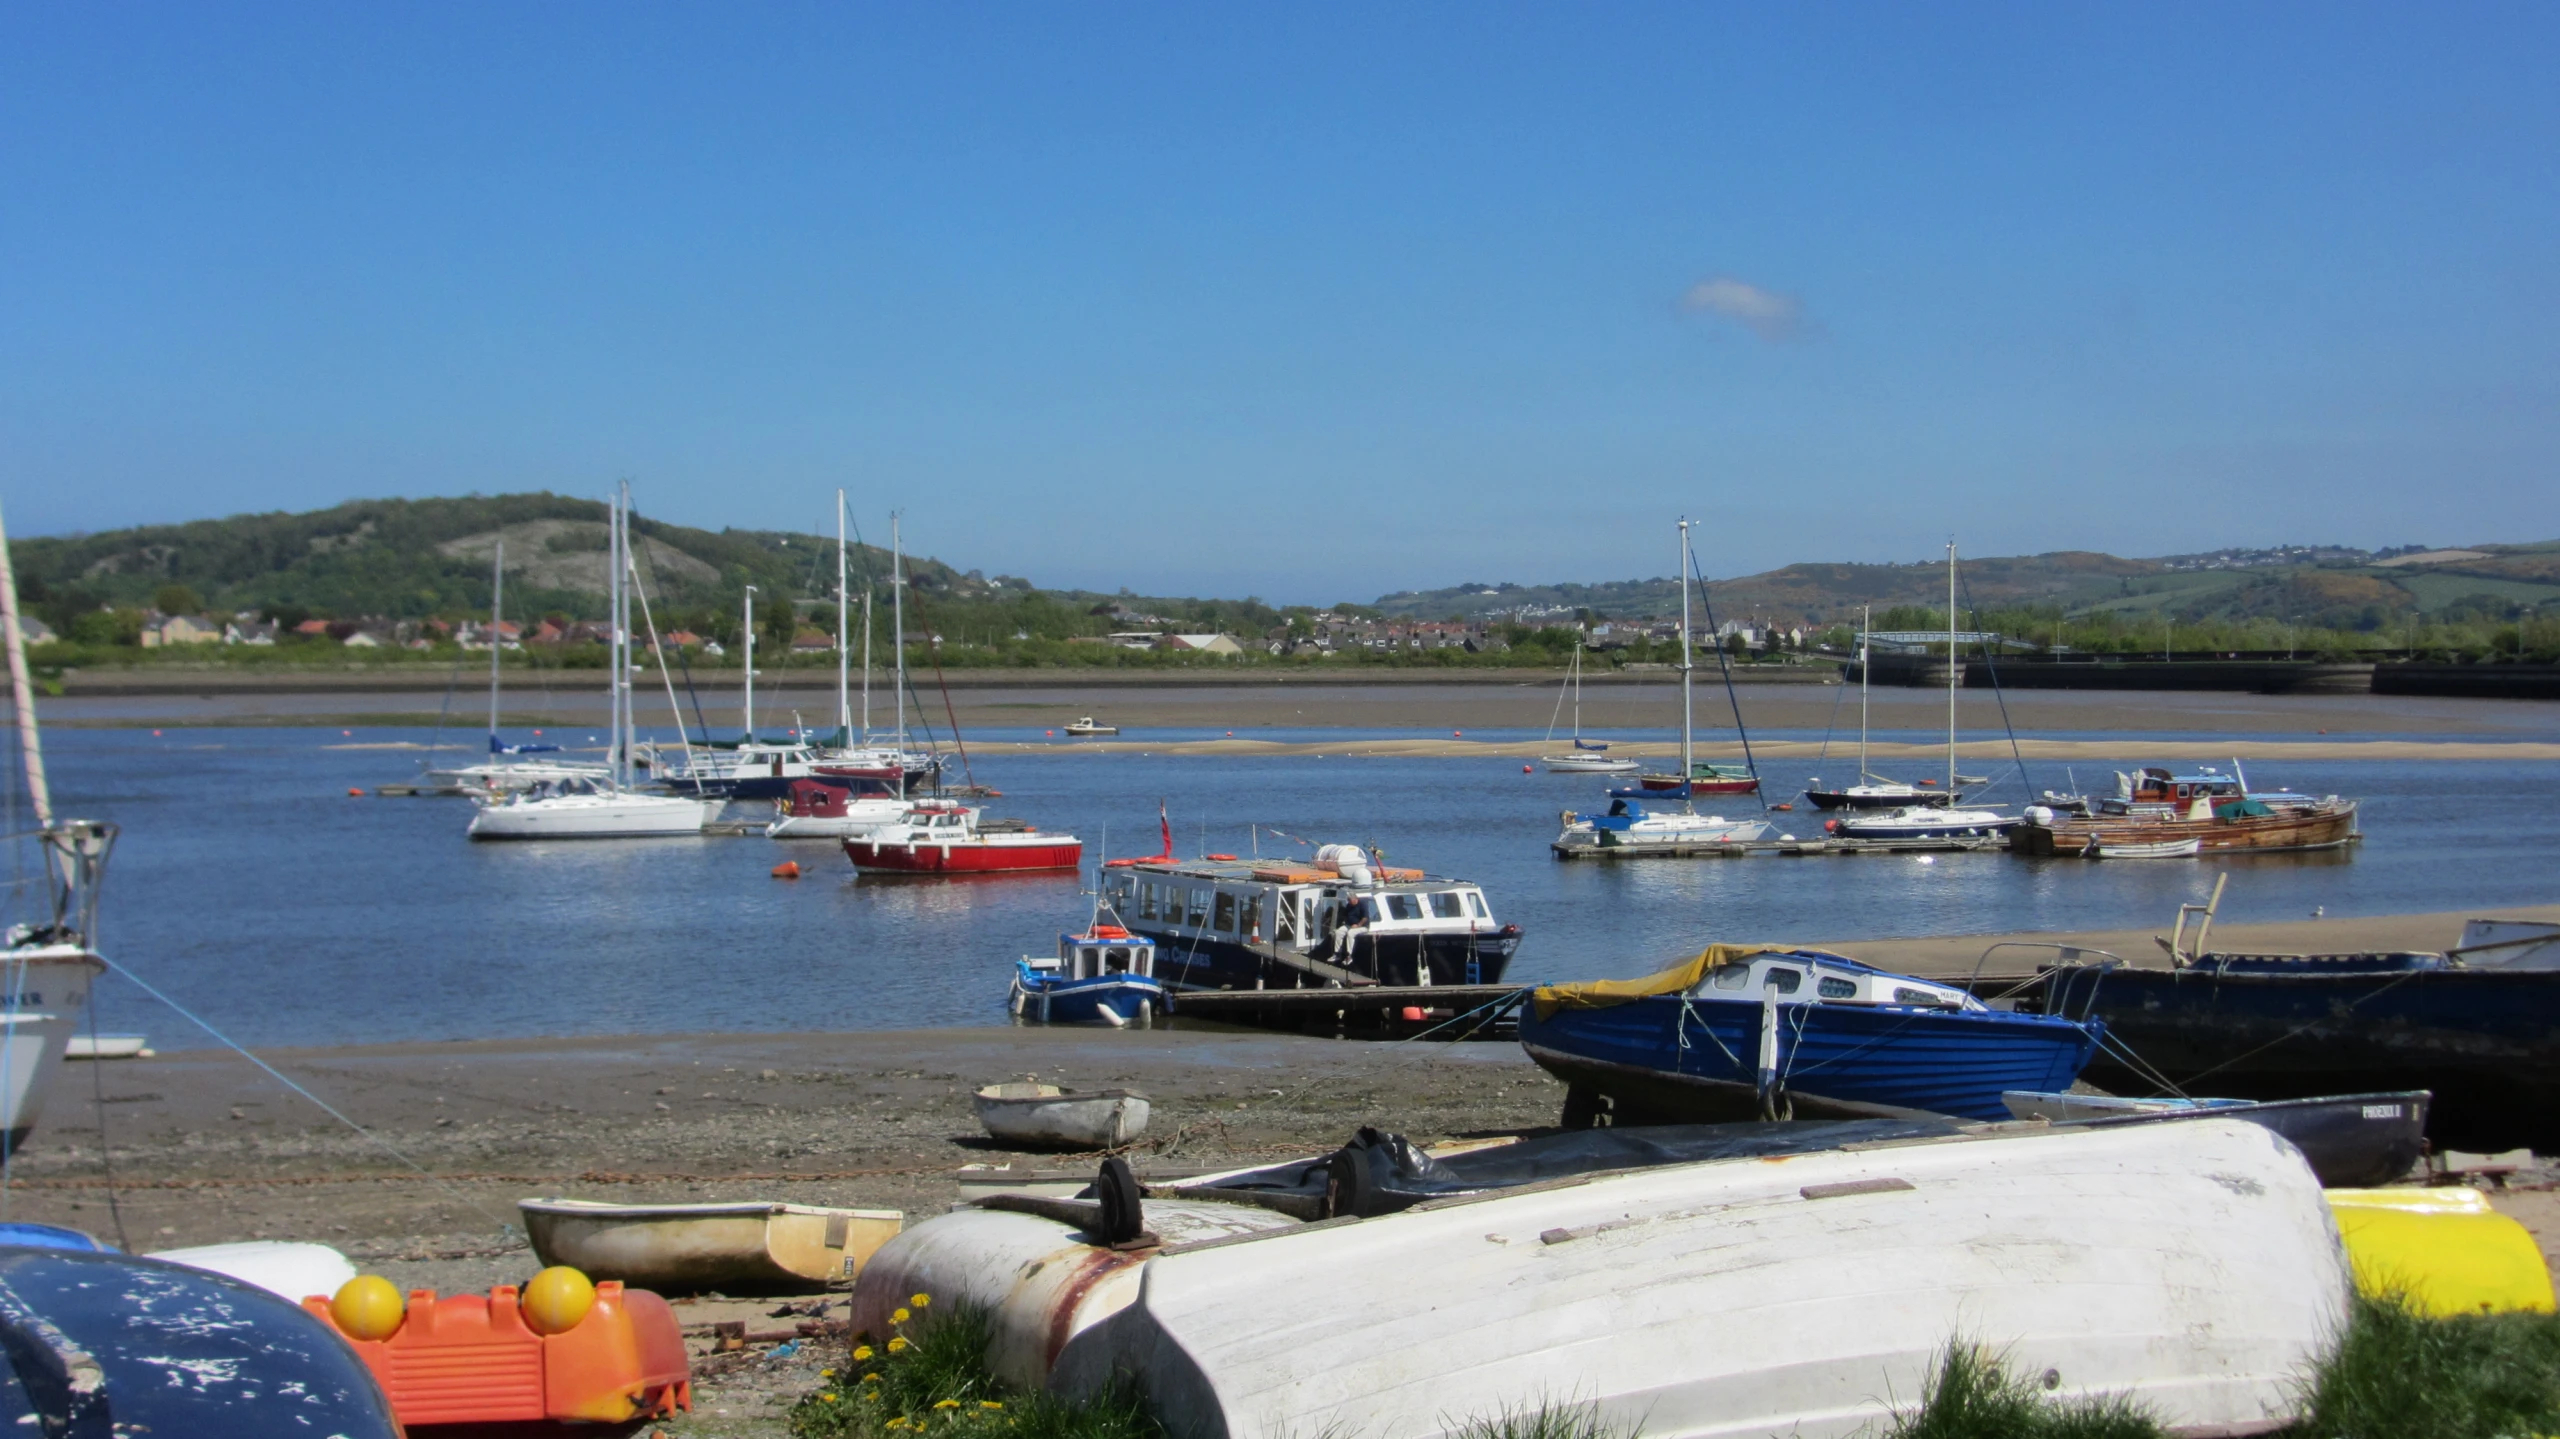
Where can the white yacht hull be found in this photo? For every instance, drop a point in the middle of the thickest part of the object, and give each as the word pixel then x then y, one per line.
pixel 2193 1268
pixel 613 816
pixel 860 818
pixel 1589 764
pixel 42 989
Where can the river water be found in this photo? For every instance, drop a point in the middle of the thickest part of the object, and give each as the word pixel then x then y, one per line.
pixel 251 888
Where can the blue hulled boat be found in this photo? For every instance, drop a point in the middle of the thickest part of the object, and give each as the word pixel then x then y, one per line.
pixel 1745 1032
pixel 1104 976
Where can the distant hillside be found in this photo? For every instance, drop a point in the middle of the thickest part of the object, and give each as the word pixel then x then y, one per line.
pixel 2343 589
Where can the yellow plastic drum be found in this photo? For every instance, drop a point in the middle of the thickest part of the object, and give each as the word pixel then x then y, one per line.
pixel 2444 1250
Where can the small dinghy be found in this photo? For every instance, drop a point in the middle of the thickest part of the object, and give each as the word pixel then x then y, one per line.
pixel 1105 975
pixel 2353 1141
pixel 1049 1117
pixel 107 1046
pixel 750 1248
pixel 2146 849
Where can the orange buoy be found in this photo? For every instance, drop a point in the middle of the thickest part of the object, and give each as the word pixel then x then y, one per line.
pixel 1782 806
pixel 354 793
pixel 1412 1014
pixel 788 869
pixel 1048 734
pixel 1217 856
pixel 155 734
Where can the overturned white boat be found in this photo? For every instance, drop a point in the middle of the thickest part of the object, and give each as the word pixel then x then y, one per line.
pixel 2192 1268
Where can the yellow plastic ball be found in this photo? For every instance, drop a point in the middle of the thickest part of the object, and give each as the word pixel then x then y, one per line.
pixel 556 1299
pixel 368 1307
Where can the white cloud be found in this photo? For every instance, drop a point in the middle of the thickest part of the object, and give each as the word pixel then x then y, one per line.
pixel 1772 316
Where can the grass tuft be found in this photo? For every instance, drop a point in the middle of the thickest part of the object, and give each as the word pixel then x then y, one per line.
pixel 1972 1397
pixel 2402 1375
pixel 1543 1421
pixel 930 1376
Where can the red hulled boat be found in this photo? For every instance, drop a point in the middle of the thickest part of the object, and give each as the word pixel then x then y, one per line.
pixel 940 837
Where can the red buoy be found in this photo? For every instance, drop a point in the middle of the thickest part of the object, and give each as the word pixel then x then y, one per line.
pixel 1413 1014
pixel 1782 806
pixel 1528 769
pixel 788 869
pixel 354 793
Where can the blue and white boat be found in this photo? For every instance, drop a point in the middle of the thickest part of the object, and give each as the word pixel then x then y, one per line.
pixel 1745 1032
pixel 1105 975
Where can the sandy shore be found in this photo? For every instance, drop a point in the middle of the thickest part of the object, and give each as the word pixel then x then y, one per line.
pixel 206 1148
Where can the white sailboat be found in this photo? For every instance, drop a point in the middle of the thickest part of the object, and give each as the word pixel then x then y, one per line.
pixel 605 807
pixel 1586 756
pixel 864 783
pixel 1635 825
pixel 510 768
pixel 1940 818
pixel 46 963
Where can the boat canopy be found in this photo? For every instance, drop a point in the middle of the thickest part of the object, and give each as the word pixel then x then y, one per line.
pixel 2240 809
pixel 498 746
pixel 1678 979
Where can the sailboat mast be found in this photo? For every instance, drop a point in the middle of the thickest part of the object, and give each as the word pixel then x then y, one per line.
pixel 751 663
pixel 898 637
pixel 844 636
pixel 497 608
pixel 1952 668
pixel 1866 624
pixel 617 654
pixel 866 664
pixel 1688 769
pixel 23 690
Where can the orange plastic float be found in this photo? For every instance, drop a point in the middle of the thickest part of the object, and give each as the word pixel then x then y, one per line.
pixel 613 1355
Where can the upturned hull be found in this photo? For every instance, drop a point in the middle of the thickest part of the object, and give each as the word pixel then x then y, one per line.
pixel 962 856
pixel 2486 1042
pixel 2283 830
pixel 1666 1059
pixel 686 1248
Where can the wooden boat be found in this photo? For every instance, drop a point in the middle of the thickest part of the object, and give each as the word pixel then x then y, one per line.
pixel 1746 1031
pixel 2486 1042
pixel 109 1344
pixel 2351 1140
pixel 942 837
pixel 751 1248
pixel 2190 1268
pixel 1049 1117
pixel 2154 815
pixel 1088 725
pixel 1105 975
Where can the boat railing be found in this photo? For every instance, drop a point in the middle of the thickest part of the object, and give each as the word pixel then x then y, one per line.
pixel 2056 1001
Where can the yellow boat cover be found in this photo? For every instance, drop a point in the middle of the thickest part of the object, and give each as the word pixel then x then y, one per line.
pixel 2442 1251
pixel 1678 979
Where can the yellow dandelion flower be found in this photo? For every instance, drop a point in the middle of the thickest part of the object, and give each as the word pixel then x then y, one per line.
pixel 826 1374
pixel 870 1378
pixel 989 1404
pixel 920 1300
pixel 861 1352
pixel 870 1396
pixel 946 1403
pixel 901 1317
pixel 898 1344
pixel 828 1398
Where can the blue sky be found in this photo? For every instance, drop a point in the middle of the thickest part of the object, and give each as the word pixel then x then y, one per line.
pixel 1310 302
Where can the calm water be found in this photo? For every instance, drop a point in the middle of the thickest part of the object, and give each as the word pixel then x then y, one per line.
pixel 249 886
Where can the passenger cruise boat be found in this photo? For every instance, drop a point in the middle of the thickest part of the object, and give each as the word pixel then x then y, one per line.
pixel 1341 920
pixel 943 837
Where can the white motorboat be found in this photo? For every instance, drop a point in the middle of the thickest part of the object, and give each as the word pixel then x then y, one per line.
pixel 1588 764
pixel 47 964
pixel 1633 826
pixel 2191 1268
pixel 584 809
pixel 816 810
pixel 1088 725
pixel 1922 822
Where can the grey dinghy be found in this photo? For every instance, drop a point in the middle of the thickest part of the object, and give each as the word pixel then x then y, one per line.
pixel 1045 1116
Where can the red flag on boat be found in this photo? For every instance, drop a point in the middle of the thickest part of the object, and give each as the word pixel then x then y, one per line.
pixel 1165 821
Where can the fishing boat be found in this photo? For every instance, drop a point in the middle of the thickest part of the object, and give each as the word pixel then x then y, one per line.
pixel 606 806
pixel 2192 1271
pixel 108 1046
pixel 816 810
pixel 1340 919
pixel 2154 814
pixel 744 1248
pixel 1632 828
pixel 2351 1140
pixel 945 837
pixel 509 767
pixel 1745 1031
pixel 1585 756
pixel 48 962
pixel 1105 975
pixel 1051 1117
pixel 1088 725
pixel 1922 822
pixel 1872 791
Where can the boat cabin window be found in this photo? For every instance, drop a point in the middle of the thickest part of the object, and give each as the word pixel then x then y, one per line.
pixel 1226 913
pixel 1917 996
pixel 1475 904
pixel 1284 920
pixel 1199 909
pixel 1115 960
pixel 1781 978
pixel 1448 904
pixel 1834 988
pixel 1147 899
pixel 1404 906
pixel 1733 976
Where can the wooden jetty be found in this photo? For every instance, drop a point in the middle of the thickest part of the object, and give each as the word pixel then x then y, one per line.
pixel 1442 1011
pixel 1819 844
